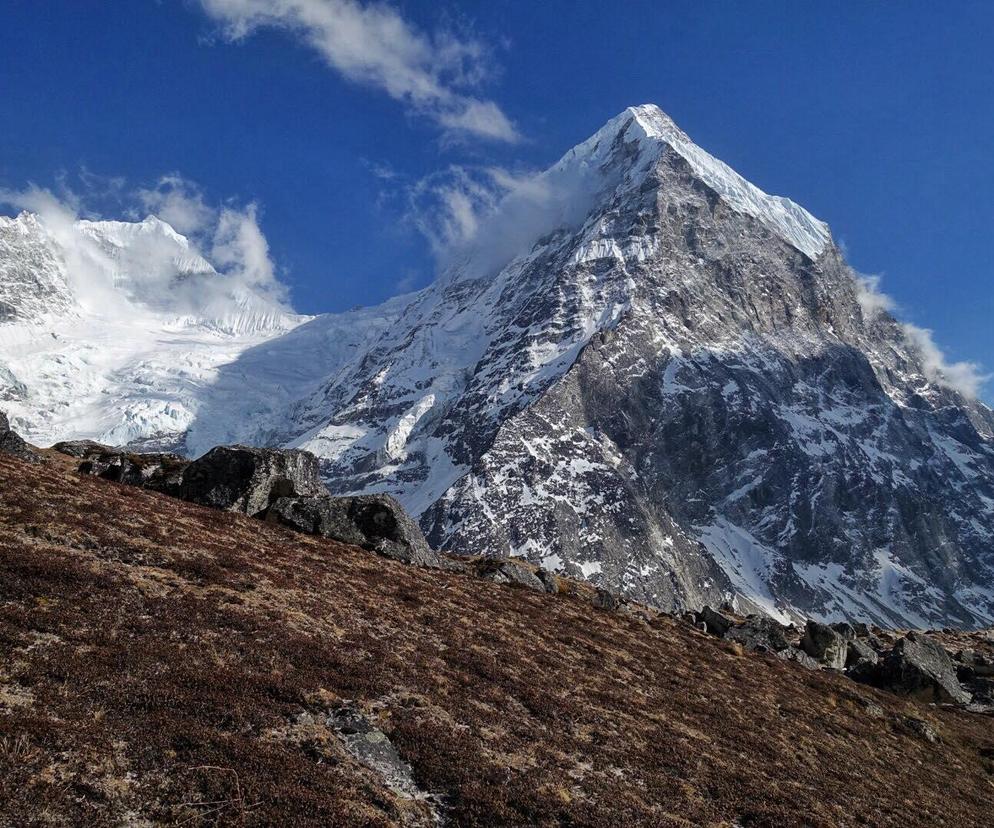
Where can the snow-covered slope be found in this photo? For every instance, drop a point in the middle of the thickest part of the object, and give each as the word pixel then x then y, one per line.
pixel 672 385
pixel 112 330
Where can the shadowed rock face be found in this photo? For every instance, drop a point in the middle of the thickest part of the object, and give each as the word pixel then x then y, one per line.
pixel 376 522
pixel 11 442
pixel 249 480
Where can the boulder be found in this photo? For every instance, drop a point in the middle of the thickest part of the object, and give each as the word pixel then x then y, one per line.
pixel 918 666
pixel 799 657
pixel 716 623
pixel 250 480
pixel 509 571
pixel 859 651
pixel 375 522
pixel 825 644
pixel 760 632
pixel 158 472
pixel 606 600
pixel 11 443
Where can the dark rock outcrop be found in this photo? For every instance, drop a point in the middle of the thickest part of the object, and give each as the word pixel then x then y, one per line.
pixel 250 480
pixel 11 443
pixel 762 633
pixel 375 522
pixel 918 666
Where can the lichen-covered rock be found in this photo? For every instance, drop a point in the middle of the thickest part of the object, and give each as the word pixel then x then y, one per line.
pixel 825 644
pixel 250 480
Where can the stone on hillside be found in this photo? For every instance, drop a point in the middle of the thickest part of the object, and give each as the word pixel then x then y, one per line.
pixel 717 624
pixel 859 651
pixel 825 644
pixel 508 571
pixel 918 666
pixel 375 522
pixel 760 632
pixel 11 443
pixel 549 581
pixel 250 480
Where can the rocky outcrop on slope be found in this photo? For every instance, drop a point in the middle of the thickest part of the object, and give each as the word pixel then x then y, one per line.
pixel 250 480
pixel 376 522
pixel 11 442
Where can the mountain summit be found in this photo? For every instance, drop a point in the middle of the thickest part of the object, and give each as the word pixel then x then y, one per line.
pixel 649 373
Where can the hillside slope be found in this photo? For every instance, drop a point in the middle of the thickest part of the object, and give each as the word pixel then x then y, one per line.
pixel 164 663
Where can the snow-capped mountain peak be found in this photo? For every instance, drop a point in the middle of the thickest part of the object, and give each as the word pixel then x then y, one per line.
pixel 647 372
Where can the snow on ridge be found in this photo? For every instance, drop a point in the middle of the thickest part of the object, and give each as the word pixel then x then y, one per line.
pixel 788 220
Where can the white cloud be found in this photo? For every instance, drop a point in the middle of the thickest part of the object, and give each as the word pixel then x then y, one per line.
pixel 372 44
pixel 965 377
pixel 219 267
pixel 478 219
pixel 179 202
pixel 872 300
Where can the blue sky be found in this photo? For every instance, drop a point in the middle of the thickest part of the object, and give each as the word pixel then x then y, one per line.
pixel 877 117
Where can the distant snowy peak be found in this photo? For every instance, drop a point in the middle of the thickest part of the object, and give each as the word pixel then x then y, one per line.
pixel 653 130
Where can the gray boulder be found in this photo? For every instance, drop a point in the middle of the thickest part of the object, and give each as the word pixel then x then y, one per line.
pixel 250 480
pixel 858 652
pixel 375 522
pixel 508 571
pixel 11 443
pixel 716 623
pixel 762 633
pixel 159 472
pixel 918 666
pixel 825 644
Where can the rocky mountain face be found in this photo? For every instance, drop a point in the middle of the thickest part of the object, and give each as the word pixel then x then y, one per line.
pixel 680 391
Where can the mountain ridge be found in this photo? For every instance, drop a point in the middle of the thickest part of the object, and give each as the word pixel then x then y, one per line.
pixel 683 393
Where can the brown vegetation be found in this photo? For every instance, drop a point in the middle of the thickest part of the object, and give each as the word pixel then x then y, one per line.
pixel 155 658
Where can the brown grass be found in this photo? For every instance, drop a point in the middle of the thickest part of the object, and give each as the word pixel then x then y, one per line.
pixel 154 656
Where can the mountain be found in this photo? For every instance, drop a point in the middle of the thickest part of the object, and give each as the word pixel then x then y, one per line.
pixel 669 383
pixel 170 664
pixel 112 329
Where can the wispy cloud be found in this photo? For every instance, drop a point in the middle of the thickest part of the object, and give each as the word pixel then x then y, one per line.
pixel 239 274
pixel 479 218
pixel 435 75
pixel 966 378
